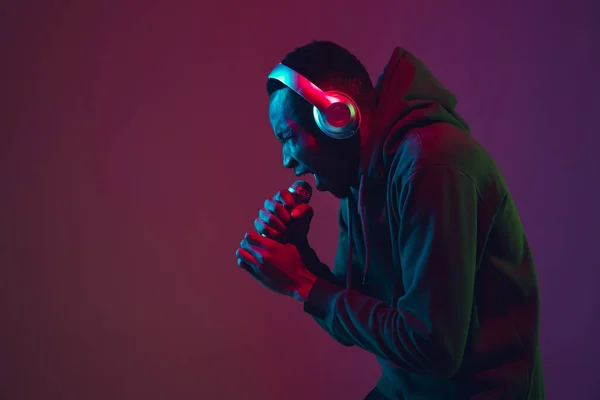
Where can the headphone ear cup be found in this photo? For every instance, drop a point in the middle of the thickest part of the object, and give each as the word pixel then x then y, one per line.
pixel 341 120
pixel 338 115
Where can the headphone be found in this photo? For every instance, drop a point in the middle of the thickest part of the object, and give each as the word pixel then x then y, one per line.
pixel 335 113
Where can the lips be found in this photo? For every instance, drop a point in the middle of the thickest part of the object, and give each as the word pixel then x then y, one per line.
pixel 319 184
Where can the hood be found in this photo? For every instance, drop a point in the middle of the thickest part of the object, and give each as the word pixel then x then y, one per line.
pixel 408 97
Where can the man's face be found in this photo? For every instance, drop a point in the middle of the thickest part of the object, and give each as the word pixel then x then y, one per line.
pixel 306 150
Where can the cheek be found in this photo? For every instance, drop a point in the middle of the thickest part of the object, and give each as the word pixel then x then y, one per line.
pixel 309 143
pixel 308 149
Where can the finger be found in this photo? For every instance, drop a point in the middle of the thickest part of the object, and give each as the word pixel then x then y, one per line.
pixel 270 277
pixel 278 209
pixel 246 267
pixel 262 243
pixel 255 248
pixel 303 211
pixel 271 219
pixel 253 270
pixel 247 260
pixel 285 198
pixel 249 264
pixel 264 229
pixel 273 281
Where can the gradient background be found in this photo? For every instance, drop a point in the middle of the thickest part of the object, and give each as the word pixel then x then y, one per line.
pixel 136 151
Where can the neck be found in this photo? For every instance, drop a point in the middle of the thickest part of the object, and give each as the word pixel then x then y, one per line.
pixel 363 150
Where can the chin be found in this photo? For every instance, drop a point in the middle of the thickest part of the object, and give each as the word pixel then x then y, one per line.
pixel 340 193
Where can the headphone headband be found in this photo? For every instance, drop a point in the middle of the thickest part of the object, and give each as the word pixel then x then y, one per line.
pixel 299 84
pixel 335 113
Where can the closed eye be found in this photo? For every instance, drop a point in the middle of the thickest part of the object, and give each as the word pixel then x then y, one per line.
pixel 284 136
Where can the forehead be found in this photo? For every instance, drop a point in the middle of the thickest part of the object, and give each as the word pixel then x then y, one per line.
pixel 286 109
pixel 281 109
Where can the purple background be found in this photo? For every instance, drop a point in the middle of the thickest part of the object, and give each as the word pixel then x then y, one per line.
pixel 136 151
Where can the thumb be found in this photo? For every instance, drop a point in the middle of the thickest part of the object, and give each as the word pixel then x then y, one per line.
pixel 303 211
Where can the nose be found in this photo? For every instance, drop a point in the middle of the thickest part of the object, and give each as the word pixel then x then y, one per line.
pixel 288 161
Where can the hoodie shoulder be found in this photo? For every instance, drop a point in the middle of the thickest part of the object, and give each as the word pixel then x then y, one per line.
pixel 440 144
pixel 447 146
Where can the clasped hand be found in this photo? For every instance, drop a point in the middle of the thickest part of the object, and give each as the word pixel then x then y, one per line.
pixel 274 259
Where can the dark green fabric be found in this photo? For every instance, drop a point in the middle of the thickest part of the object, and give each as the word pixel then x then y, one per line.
pixel 450 304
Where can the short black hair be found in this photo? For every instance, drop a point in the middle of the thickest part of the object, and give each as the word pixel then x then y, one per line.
pixel 329 66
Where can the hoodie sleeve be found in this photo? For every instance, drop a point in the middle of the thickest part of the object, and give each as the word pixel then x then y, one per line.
pixel 426 330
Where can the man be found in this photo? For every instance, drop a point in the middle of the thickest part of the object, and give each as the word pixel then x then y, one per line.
pixel 433 273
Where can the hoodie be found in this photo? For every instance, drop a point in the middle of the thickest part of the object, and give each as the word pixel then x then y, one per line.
pixel 433 273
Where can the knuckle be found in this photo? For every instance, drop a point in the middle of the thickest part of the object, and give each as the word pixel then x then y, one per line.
pixel 287 197
pixel 269 217
pixel 278 208
pixel 301 208
pixel 264 214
